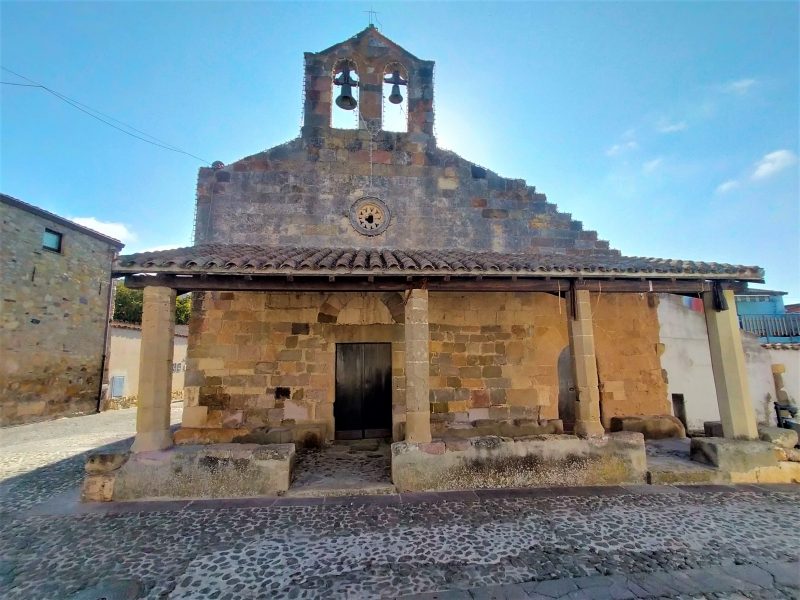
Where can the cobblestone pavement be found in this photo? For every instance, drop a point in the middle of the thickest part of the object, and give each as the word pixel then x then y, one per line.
pixel 619 542
pixel 343 467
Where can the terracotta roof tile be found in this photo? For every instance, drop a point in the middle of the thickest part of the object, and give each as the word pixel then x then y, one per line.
pixel 248 259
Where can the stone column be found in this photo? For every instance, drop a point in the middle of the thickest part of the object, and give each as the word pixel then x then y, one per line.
pixel 584 367
pixel 155 370
pixel 418 408
pixel 730 375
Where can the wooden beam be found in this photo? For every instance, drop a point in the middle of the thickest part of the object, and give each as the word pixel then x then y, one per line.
pixel 200 283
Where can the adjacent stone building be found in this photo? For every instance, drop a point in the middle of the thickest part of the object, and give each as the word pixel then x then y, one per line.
pixel 361 283
pixel 56 289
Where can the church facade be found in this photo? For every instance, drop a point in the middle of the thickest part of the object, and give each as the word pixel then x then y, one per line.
pixel 361 282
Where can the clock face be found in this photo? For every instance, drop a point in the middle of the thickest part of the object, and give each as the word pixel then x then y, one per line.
pixel 369 216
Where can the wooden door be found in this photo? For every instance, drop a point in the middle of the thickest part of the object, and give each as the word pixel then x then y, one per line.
pixel 363 403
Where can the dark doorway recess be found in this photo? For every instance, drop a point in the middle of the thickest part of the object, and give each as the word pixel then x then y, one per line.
pixel 363 404
pixel 566 390
pixel 679 409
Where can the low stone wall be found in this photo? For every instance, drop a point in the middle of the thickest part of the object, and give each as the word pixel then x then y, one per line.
pixel 532 461
pixel 218 471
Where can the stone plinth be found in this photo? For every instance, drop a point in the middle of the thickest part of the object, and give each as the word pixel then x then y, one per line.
pixel 733 455
pixel 532 461
pixel 216 471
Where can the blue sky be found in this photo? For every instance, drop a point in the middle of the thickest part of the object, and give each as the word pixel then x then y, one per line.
pixel 670 128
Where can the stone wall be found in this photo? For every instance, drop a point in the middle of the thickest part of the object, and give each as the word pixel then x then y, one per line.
pixel 52 326
pixel 259 359
pixel 256 360
pixel 301 193
pixel 494 355
pixel 628 356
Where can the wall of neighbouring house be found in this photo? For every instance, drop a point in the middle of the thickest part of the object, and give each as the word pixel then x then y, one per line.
pixel 124 348
pixel 687 361
pixel 52 324
pixel 493 355
pixel 788 355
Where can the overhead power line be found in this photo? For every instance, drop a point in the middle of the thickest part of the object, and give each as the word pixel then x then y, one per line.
pixel 91 112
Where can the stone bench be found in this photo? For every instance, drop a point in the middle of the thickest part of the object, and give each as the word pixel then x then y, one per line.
pixel 207 471
pixel 530 461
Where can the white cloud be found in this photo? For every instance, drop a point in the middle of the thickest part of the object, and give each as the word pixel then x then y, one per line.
pixel 667 127
pixel 162 247
pixel 739 87
pixel 773 163
pixel 727 186
pixel 617 149
pixel 117 231
pixel 652 165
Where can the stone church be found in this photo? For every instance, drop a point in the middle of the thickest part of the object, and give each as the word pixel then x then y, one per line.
pixel 357 283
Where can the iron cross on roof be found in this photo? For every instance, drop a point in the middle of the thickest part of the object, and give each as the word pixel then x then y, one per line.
pixel 372 15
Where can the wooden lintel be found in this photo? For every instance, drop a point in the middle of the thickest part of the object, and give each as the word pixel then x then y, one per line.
pixel 201 283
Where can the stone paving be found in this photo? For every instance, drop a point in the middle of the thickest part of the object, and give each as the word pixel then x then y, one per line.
pixel 343 468
pixel 617 542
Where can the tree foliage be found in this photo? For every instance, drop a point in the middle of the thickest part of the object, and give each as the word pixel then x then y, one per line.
pixel 128 306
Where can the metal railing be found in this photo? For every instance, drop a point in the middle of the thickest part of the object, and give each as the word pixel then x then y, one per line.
pixel 769 326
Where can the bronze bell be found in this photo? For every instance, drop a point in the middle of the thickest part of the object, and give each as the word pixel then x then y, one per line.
pixel 395 97
pixel 346 101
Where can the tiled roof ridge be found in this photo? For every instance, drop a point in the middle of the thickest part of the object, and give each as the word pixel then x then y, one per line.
pixel 252 258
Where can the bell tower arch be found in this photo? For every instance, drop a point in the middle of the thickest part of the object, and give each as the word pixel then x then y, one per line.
pixel 371 52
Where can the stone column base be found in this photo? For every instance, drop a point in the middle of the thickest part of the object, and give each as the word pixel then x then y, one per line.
pixel 418 427
pixel 147 441
pixel 587 429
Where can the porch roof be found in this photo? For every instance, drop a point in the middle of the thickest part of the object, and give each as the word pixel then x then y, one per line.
pixel 231 259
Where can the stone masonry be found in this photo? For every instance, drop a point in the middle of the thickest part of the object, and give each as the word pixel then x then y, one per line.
pixel 261 359
pixel 53 317
pixel 300 193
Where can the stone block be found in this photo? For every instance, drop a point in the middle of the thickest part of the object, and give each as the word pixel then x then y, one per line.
pixel 194 416
pixel 207 435
pixel 279 435
pixel 793 455
pixel 713 429
pixel 98 487
pixel 309 435
pixel 785 438
pixel 206 471
pixel 105 462
pixel 732 455
pixel 544 460
pixel 653 427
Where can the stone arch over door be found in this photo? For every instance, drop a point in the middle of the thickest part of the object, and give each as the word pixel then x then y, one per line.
pixel 566 390
pixel 332 308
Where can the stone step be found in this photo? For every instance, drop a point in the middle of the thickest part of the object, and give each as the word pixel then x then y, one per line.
pixel 330 491
pixel 668 470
